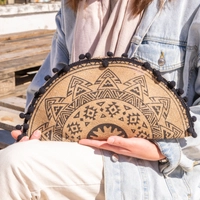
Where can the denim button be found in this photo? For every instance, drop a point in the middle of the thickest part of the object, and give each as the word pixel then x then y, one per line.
pixel 115 157
pixel 161 60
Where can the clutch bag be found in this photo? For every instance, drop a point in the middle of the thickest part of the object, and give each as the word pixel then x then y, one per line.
pixel 96 98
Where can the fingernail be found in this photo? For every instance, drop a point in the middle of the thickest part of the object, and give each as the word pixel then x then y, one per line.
pixel 111 140
pixel 37 133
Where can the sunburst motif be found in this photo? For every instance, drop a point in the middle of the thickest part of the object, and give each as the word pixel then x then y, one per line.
pixel 107 131
pixel 102 131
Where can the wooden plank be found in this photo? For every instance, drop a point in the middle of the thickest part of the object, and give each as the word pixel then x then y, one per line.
pixel 21 53
pixel 21 64
pixel 7 82
pixel 26 34
pixel 25 44
pixel 19 90
pixel 14 102
pixel 9 118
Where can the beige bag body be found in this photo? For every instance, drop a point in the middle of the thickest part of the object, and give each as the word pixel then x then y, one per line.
pixel 97 98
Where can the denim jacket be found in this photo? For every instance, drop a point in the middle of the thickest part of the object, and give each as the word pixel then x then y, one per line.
pixel 168 37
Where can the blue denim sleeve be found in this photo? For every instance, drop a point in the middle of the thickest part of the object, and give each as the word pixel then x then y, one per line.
pixel 58 54
pixel 185 152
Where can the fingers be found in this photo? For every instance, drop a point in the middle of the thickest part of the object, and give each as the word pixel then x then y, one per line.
pixel 104 145
pixel 36 135
pixel 16 133
pixel 121 142
pixel 92 143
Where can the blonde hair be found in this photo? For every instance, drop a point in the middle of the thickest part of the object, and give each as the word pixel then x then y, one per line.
pixel 138 5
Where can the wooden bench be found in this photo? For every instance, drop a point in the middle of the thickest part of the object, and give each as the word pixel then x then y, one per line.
pixel 10 108
pixel 21 55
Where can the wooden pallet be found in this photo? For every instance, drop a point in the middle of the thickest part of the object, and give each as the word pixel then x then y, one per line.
pixel 21 55
pixel 10 108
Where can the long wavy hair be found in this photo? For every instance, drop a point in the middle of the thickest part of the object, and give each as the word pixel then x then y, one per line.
pixel 138 5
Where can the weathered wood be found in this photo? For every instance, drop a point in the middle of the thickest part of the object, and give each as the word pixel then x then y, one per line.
pixel 22 52
pixel 7 82
pixel 26 34
pixel 9 118
pixel 21 64
pixel 19 90
pixel 15 103
pixel 27 44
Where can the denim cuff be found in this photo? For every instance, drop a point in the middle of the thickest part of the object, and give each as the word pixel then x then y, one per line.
pixel 171 149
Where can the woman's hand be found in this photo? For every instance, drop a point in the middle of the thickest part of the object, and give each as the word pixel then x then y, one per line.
pixel 35 135
pixel 134 147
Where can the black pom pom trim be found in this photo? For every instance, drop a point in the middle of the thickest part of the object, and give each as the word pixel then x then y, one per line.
pixel 47 77
pixel 66 68
pixel 20 137
pixel 194 119
pixel 30 109
pixel 81 56
pixel 27 117
pixel 110 54
pixel 125 55
pixel 55 70
pixel 42 90
pixel 171 84
pixel 22 115
pixel 185 99
pixel 146 64
pixel 18 127
pixel 36 94
pixel 25 127
pixel 180 91
pixel 156 72
pixel 192 132
pixel 105 63
pixel 88 56
pixel 159 78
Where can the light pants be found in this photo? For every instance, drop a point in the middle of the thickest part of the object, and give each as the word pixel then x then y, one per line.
pixel 51 171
